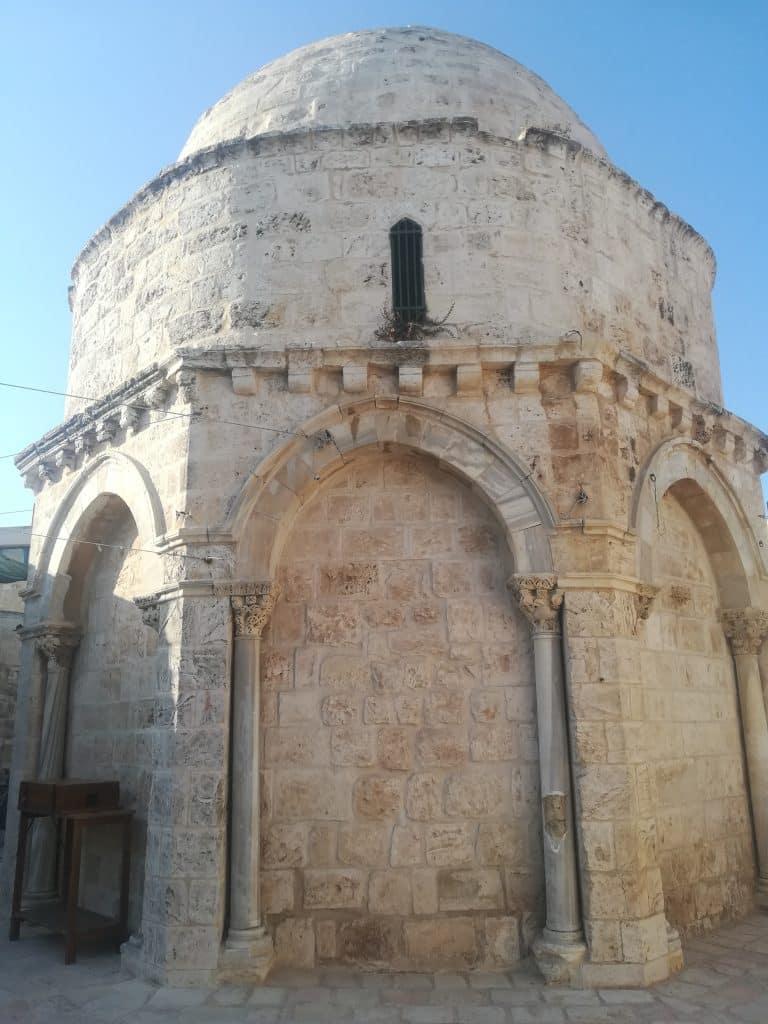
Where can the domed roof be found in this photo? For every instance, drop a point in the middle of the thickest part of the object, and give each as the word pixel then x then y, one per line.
pixel 390 74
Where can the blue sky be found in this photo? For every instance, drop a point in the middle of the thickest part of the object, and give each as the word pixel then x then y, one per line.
pixel 97 97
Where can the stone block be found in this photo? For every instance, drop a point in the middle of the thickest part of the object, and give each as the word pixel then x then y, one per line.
pixel 325 940
pixel 283 846
pixel 378 797
pixel 502 941
pixel 339 710
pixel 475 889
pixel 475 794
pixel 345 672
pixel 389 892
pixel 494 743
pixel 353 746
pixel 393 748
pixel 310 796
pixel 295 942
pixel 449 845
pixel 502 843
pixel 424 796
pixel 350 578
pixel 445 707
pixel 277 894
pixel 334 889
pixel 296 746
pixel 409 709
pixel 441 747
pixel 369 940
pixel 364 845
pixel 335 624
pixel 441 942
pixel 407 846
pixel 379 710
pixel 322 846
pixel 298 706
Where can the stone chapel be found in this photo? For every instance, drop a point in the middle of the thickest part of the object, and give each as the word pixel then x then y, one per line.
pixel 405 568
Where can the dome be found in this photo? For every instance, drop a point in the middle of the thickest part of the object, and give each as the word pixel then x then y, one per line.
pixel 385 75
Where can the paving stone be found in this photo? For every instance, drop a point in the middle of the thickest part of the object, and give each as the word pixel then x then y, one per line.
pixel 177 998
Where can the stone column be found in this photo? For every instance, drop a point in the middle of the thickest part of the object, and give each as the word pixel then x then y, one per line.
pixel 248 947
pixel 560 949
pixel 56 648
pixel 746 629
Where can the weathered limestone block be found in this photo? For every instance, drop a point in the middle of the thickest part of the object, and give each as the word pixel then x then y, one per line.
pixel 334 889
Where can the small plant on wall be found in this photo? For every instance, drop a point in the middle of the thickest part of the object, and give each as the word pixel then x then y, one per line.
pixel 394 326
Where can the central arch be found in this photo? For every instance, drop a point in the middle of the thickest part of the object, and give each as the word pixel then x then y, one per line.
pixel 261 514
pixel 400 778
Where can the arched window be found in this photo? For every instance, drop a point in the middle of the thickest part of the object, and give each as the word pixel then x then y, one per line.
pixel 407 271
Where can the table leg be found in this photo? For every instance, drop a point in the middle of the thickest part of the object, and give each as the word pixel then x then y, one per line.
pixel 18 878
pixel 73 886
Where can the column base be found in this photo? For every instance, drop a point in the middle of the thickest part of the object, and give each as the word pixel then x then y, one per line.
pixel 761 893
pixel 559 956
pixel 675 955
pixel 247 954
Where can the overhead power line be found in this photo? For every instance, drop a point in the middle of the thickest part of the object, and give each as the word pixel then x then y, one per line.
pixel 148 408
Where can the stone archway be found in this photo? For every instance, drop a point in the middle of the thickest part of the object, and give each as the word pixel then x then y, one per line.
pixel 699 553
pixel 261 520
pixel 84 658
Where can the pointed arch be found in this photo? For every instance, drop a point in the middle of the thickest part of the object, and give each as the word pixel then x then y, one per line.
pixel 263 512
pixel 682 468
pixel 112 474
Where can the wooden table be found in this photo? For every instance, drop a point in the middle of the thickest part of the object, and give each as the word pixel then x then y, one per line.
pixel 64 915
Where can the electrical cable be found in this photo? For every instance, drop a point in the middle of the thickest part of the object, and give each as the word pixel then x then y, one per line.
pixel 148 408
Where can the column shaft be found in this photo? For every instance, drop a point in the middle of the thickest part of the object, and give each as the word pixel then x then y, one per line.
pixel 245 913
pixel 746 629
pixel 563 910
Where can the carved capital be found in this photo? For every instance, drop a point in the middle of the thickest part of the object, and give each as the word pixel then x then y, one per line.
pixel 58 646
pixel 252 610
pixel 539 600
pixel 746 628
pixel 149 606
pixel 644 596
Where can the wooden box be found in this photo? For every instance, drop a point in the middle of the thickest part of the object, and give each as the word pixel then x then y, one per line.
pixel 57 796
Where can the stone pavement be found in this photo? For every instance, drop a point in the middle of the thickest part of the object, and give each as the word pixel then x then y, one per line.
pixel 725 980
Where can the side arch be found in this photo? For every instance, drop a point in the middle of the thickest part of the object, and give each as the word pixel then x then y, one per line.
pixel 263 512
pixel 111 474
pixel 683 468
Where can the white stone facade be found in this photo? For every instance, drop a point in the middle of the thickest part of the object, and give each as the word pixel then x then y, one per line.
pixel 422 653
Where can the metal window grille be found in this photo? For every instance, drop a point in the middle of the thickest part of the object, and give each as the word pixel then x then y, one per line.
pixel 407 271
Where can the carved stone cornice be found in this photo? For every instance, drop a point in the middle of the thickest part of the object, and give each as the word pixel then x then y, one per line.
pixel 252 605
pixel 539 600
pixel 746 628
pixel 149 606
pixel 74 440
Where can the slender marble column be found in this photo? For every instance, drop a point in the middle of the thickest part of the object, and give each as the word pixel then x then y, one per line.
pixel 560 949
pixel 56 649
pixel 251 612
pixel 746 629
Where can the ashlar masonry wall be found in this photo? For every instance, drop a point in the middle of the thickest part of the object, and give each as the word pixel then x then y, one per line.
pixel 399 740
pixel 704 831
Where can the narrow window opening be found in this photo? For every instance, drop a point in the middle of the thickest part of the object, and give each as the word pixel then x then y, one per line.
pixel 408 301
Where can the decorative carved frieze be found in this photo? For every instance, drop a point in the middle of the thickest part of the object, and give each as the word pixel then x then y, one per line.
pixel 746 628
pixel 539 600
pixel 252 606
